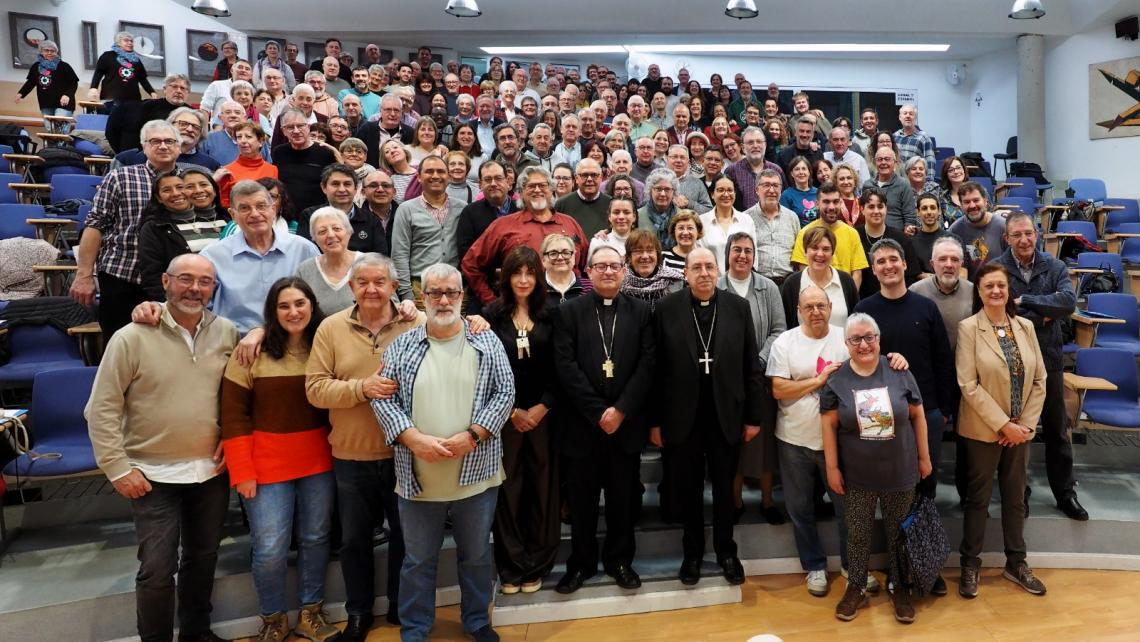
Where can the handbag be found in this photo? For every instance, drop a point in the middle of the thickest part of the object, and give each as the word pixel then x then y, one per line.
pixel 924 548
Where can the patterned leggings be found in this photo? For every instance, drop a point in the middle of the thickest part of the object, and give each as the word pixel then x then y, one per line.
pixel 859 506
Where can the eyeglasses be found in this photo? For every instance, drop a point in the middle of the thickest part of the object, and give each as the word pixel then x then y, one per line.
pixel 161 142
pixel 869 339
pixel 378 186
pixel 770 186
pixel 188 280
pixel 558 254
pixel 814 307
pixel 536 187
pixel 437 295
pixel 662 190
pixel 194 126
pixel 585 175
pixel 607 267
pixel 563 179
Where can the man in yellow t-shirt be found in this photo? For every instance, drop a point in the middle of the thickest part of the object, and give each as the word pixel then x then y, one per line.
pixel 848 252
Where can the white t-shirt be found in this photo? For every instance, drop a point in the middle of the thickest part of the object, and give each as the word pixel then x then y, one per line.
pixel 796 356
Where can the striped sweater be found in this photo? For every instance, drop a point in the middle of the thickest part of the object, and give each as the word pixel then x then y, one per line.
pixel 269 431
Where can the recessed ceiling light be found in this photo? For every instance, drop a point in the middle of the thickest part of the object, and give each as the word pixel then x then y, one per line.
pixel 791 47
pixel 539 50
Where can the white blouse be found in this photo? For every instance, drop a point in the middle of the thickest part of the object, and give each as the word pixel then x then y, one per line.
pixel 715 238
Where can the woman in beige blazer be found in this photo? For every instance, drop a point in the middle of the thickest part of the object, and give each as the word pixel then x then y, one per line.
pixel 1002 376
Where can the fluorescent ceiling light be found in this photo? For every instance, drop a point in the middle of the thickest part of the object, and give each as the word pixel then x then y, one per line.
pixel 582 49
pixel 793 47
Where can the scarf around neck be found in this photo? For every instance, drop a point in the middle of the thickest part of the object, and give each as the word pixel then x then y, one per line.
pixel 45 64
pixel 125 58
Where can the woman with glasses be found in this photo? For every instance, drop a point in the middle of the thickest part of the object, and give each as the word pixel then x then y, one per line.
pixel 648 278
pixel 229 57
pixel 558 261
pixel 819 245
pixel 54 80
pixel 952 176
pixel 724 220
pixel 563 176
pixel 874 443
pixel 354 153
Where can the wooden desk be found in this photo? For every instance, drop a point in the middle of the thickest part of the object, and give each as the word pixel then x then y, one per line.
pixel 1053 241
pixel 22 164
pixel 1102 215
pixel 48 229
pixel 1085 328
pixel 1080 382
pixel 30 193
pixel 55 278
pixel 98 165
pixel 55 139
pixel 1133 279
pixel 58 124
pixel 90 337
pixel 89 106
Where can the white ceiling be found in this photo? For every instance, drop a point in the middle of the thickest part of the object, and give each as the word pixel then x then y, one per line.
pixel 971 27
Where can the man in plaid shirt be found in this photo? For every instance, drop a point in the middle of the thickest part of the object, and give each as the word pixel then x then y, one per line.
pixel 913 142
pixel 455 391
pixel 110 240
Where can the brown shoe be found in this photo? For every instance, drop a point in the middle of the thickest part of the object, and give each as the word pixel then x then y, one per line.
pixel 853 600
pixel 904 610
pixel 274 628
pixel 968 583
pixel 313 623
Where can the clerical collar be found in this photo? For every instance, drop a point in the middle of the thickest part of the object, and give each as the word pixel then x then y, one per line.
pixel 604 300
pixel 703 304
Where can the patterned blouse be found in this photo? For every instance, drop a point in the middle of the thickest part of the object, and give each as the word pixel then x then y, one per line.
pixel 1016 366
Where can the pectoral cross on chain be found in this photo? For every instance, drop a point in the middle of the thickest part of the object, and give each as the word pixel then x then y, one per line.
pixel 608 368
pixel 707 360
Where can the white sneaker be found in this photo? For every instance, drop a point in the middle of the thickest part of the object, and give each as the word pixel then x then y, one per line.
pixel 817 583
pixel 872 583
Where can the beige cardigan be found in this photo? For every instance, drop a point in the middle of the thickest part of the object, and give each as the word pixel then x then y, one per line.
pixel 984 378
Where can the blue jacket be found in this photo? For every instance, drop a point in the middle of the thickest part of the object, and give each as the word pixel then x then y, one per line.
pixel 1049 294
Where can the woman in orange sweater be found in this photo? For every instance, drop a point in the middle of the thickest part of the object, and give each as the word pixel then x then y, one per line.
pixel 277 449
pixel 249 164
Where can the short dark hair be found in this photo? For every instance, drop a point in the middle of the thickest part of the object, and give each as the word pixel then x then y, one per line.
pixel 886 243
pixel 338 168
pixel 336 40
pixel 868 192
pixel 487 164
pixel 276 337
pixel 972 186
pixel 734 237
pixel 869 110
pixel 828 187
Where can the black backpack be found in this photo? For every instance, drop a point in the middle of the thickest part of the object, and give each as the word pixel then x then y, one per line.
pixel 14 137
pixel 59 156
pixel 1105 281
pixel 976 160
pixel 1071 246
pixel 1028 170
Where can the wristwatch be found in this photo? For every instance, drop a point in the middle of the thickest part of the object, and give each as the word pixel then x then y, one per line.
pixel 474 435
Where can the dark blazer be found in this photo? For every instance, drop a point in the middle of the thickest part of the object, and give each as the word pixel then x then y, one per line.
pixel 739 392
pixel 790 293
pixel 578 357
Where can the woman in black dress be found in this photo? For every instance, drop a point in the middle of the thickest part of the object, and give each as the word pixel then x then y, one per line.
pixel 54 81
pixel 119 73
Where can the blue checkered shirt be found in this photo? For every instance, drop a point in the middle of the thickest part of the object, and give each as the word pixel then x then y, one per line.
pixel 117 213
pixel 916 144
pixel 494 399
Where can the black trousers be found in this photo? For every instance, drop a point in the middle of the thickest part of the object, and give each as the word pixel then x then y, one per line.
pixel 616 472
pixel 527 526
pixel 169 515
pixel 366 493
pixel 117 298
pixel 687 462
pixel 1058 441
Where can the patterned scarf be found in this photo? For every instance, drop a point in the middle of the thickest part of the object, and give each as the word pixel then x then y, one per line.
pixel 125 58
pixel 654 287
pixel 48 65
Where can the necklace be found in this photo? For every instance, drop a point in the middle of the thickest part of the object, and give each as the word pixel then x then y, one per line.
pixel 705 344
pixel 608 364
pixel 999 328
pixel 522 342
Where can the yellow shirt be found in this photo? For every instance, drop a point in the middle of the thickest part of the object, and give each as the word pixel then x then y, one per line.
pixel 848 255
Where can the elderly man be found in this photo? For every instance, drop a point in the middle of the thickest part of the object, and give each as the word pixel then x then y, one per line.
pixel 218 91
pixel 375 133
pixel 380 203
pixel 249 261
pixel 588 205
pixel 275 85
pixel 708 407
pixel 953 294
pixel 335 81
pixel 569 150
pixel 680 129
pixel 424 230
pixel 190 123
pixel 737 108
pixel 660 206
pixel 124 122
pixel 478 215
pixel 841 152
pixel 691 192
pixel 604 354
pixel 529 226
pixel 220 145
pixel 774 222
pixel 848 254
pixel 652 80
pixel 159 444
pixel 541 146
pixel 981 231
pixel 914 142
pixel 524 89
pixel 638 112
pixel 803 145
pixel 332 50
pixel 302 100
pixel 353 114
pixel 901 213
pixel 746 171
pixel 643 159
pixel 1039 284
pixel 323 103
pixel 343 376
pixel 300 161
pixel 454 391
pixel 109 244
pixel 508 149
pixel 369 101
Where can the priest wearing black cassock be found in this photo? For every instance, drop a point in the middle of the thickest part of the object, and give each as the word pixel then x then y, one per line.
pixel 603 353
pixel 711 395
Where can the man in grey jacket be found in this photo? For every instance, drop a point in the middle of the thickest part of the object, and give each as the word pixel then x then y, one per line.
pixel 901 212
pixel 691 192
pixel 423 232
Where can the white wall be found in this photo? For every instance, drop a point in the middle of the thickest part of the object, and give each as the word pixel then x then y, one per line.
pixel 992 78
pixel 175 19
pixel 1070 152
pixel 942 107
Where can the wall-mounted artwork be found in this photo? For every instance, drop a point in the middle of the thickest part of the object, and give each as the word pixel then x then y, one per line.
pixel 26 30
pixel 1114 98
pixel 150 45
pixel 257 47
pixel 203 51
pixel 90 32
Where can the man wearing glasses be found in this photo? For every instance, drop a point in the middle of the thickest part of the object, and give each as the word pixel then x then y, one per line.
pixel 588 205
pixel 530 227
pixel 604 349
pixel 454 392
pixel 380 203
pixel 776 226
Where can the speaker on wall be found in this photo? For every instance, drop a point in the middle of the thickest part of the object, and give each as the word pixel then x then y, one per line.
pixel 1129 28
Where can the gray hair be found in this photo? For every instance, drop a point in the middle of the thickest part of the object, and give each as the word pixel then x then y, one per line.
pixel 48 44
pixel 857 319
pixel 153 125
pixel 465 98
pixel 615 154
pixel 527 172
pixel 441 272
pixel 352 143
pixel 538 126
pixel 947 240
pixel 508 84
pixel 197 113
pixel 912 161
pixel 124 35
pixel 678 146
pixel 302 88
pixel 227 103
pixel 389 98
pixel 240 84
pixel 372 68
pixel 248 188
pixel 292 113
pixel 330 211
pixel 372 259
pixel 662 174
pixel 753 129
pixel 313 73
pixel 174 78
pixel 568 117
pixel 614 133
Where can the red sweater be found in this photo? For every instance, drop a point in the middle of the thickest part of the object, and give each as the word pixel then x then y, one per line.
pixel 244 169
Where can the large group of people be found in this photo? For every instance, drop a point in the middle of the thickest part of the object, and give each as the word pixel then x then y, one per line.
pixel 415 315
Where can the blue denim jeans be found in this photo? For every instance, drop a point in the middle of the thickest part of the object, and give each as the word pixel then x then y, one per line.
pixel 798 466
pixel 308 501
pixel 423 535
pixel 58 111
